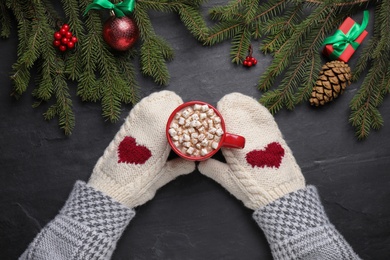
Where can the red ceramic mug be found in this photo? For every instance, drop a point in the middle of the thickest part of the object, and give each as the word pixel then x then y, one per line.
pixel 189 121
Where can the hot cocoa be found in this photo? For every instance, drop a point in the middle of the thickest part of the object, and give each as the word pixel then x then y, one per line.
pixel 196 130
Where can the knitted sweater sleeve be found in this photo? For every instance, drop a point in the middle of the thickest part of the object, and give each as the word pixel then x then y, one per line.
pixel 296 227
pixel 87 227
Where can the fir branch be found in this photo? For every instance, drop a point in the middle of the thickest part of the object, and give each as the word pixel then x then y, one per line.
pixel 130 93
pixel 383 26
pixel 311 32
pixel 251 9
pixel 152 56
pixel 193 20
pixel 143 21
pixel 5 20
pixel 90 48
pixel 21 78
pixel 284 96
pixel 363 105
pixel 166 50
pixel 159 5
pixel 340 3
pixel 21 72
pixel 228 12
pixel 64 103
pixel 152 62
pixel 280 29
pixel 112 88
pixel 73 61
pixel 364 58
pixel 240 45
pixel 223 31
pixel 309 78
pixel 269 10
pixel 52 16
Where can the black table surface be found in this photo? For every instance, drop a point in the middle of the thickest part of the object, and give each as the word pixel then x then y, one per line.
pixel 192 217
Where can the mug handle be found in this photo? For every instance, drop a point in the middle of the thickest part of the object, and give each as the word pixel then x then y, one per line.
pixel 233 141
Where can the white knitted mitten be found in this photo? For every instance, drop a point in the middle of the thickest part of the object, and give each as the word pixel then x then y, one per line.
pixel 265 169
pixel 134 165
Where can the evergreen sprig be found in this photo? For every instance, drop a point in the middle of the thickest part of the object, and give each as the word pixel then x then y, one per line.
pixel 364 106
pixel 293 32
pixel 102 75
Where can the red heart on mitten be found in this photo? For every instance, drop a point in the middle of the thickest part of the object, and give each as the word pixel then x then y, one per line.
pixel 271 156
pixel 130 152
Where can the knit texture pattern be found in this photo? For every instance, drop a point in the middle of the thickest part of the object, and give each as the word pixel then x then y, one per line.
pixel 87 227
pixel 134 165
pixel 265 169
pixel 296 227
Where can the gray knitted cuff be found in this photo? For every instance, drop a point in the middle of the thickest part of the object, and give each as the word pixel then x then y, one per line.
pixel 296 227
pixel 97 210
pixel 88 227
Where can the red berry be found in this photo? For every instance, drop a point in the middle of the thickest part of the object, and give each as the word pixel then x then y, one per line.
pixel 62 48
pixel 62 31
pixel 64 41
pixel 249 64
pixel 253 59
pixel 57 36
pixel 70 45
pixel 65 26
pixel 68 35
pixel 254 62
pixel 74 39
pixel 57 43
pixel 245 63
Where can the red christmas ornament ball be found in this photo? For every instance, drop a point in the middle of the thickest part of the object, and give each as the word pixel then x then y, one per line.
pixel 120 33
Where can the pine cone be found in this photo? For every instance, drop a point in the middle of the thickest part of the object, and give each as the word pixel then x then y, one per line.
pixel 334 77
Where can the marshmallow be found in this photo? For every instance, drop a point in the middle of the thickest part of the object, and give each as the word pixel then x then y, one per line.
pixel 219 132
pixel 186 113
pixel 197 107
pixel 174 126
pixel 204 108
pixel 181 121
pixel 186 137
pixel 172 132
pixel 190 150
pixel 212 130
pixel 210 113
pixel 195 117
pixel 217 120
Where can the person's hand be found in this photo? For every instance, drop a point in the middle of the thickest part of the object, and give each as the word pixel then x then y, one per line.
pixel 265 169
pixel 135 165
